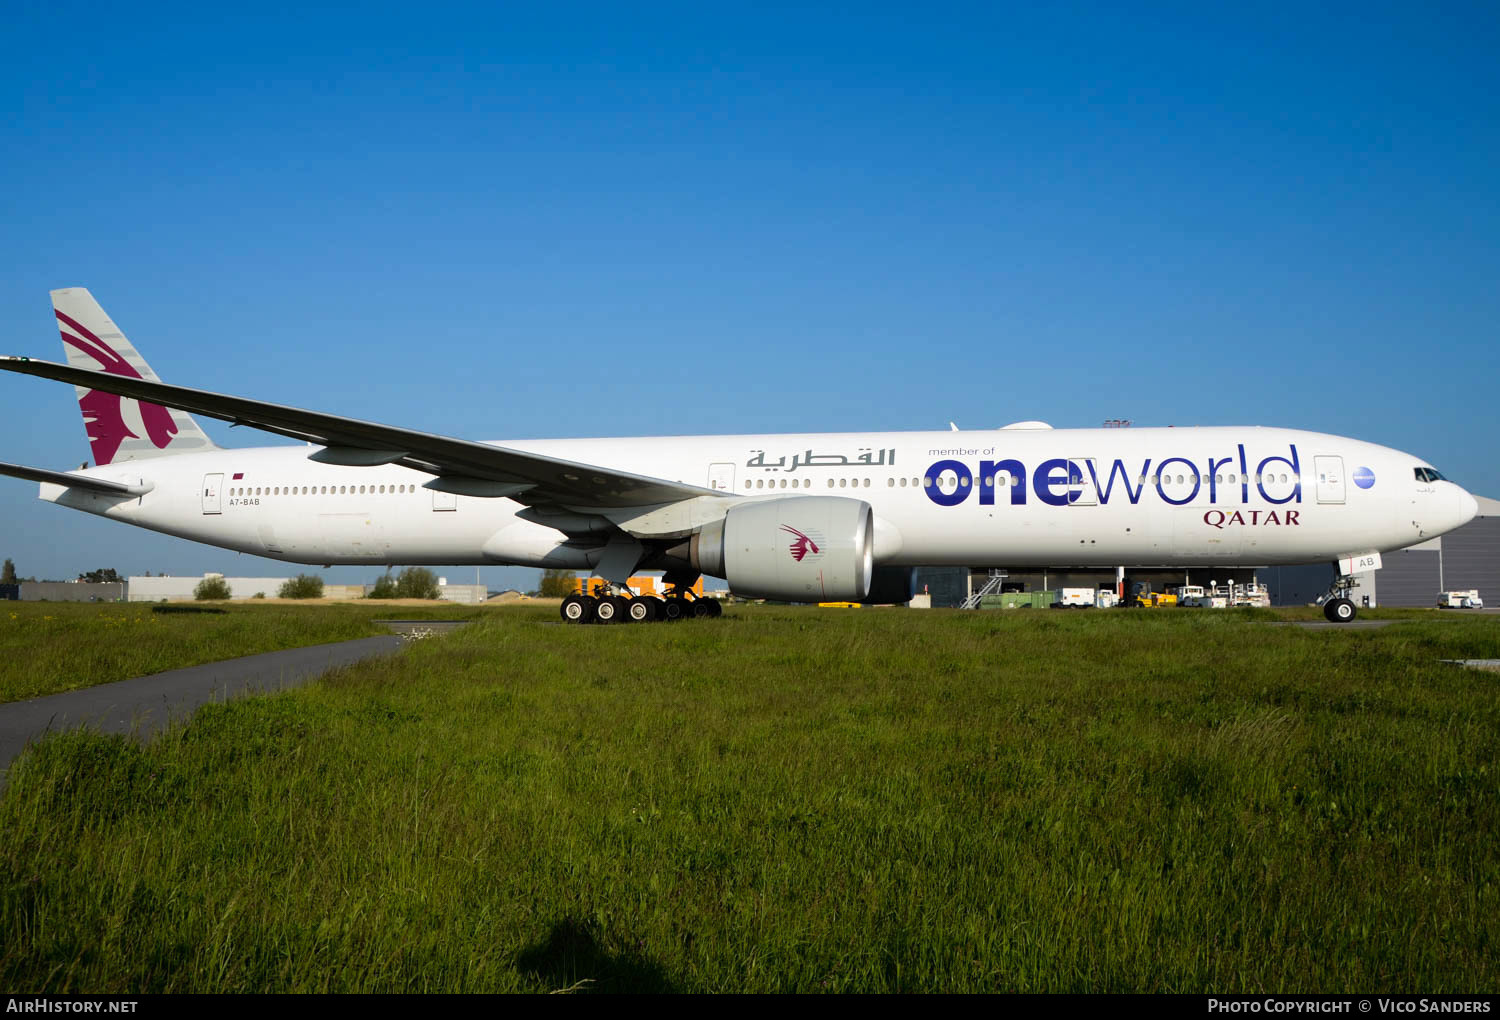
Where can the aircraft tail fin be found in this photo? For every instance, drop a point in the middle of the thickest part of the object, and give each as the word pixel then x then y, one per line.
pixel 119 428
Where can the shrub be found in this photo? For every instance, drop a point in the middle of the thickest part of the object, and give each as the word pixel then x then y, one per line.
pixel 303 586
pixel 211 589
pixel 416 583
pixel 411 583
pixel 558 584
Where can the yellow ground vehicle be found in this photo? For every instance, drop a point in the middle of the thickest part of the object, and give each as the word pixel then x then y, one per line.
pixel 1142 595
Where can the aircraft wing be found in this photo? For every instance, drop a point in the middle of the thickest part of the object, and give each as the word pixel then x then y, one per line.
pixel 103 485
pixel 458 465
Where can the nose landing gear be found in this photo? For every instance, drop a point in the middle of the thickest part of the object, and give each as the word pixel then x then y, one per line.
pixel 1338 607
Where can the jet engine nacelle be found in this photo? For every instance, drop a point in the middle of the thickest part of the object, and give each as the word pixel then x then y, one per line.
pixel 799 549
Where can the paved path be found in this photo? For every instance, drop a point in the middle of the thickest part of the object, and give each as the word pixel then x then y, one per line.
pixel 145 704
pixel 1321 624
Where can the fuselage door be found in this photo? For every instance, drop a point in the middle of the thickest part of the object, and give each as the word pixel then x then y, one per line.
pixel 1081 491
pixel 213 494
pixel 721 477
pixel 1330 471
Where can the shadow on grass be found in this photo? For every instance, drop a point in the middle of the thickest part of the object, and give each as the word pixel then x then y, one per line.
pixel 572 960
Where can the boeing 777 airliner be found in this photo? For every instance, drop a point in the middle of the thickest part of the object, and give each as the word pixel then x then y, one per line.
pixel 820 517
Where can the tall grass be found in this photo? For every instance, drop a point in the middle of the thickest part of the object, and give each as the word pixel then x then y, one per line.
pixel 791 800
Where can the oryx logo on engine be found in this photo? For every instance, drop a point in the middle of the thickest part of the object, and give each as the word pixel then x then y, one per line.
pixel 803 544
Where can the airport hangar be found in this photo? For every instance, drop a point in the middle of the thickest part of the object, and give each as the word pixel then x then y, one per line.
pixel 1468 558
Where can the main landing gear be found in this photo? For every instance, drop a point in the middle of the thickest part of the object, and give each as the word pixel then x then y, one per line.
pixel 1338 607
pixel 616 604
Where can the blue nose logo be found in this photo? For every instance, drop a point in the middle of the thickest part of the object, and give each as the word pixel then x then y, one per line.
pixel 1364 477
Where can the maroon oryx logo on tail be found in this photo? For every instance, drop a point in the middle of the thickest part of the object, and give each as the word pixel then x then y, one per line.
pixel 803 545
pixel 103 415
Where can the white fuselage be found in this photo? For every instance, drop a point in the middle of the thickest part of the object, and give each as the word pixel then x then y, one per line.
pixel 1010 497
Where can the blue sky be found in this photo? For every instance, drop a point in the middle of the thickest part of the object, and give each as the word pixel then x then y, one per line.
pixel 497 221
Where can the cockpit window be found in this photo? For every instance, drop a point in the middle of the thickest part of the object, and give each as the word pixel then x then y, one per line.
pixel 1427 474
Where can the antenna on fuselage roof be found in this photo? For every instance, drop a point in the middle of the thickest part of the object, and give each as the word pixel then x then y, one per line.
pixel 952 427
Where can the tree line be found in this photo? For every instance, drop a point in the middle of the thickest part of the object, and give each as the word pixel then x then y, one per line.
pixel 107 575
pixel 411 583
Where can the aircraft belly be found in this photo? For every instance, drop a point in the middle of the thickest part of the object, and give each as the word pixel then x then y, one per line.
pixel 352 535
pixel 1193 539
pixel 1132 534
pixel 1016 536
pixel 525 543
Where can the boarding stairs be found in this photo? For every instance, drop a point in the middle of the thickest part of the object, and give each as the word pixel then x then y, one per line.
pixel 991 587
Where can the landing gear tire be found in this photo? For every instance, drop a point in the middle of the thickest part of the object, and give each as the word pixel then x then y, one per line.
pixel 576 609
pixel 1339 610
pixel 611 609
pixel 715 610
pixel 675 609
pixel 703 608
pixel 639 611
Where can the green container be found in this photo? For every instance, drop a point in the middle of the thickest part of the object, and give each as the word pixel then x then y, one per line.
pixel 1018 600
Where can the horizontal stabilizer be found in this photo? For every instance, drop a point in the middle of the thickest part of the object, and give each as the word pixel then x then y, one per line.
pixel 73 481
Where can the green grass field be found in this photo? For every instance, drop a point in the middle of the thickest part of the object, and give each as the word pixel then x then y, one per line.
pixel 50 647
pixel 793 800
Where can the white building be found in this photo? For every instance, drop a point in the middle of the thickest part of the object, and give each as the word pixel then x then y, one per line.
pixel 178 589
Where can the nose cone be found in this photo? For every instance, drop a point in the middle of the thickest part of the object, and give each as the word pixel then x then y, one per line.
pixel 1468 507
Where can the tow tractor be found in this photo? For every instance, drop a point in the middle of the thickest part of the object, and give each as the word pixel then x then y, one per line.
pixel 1142 595
pixel 1194 596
